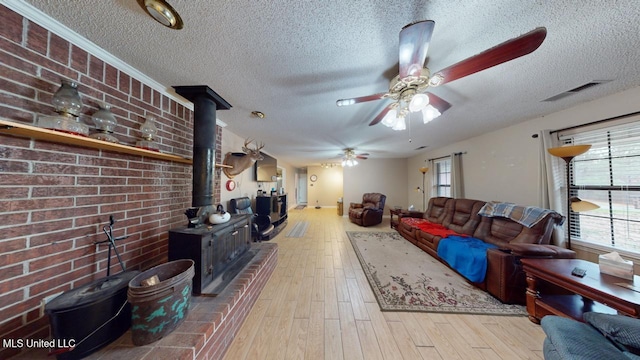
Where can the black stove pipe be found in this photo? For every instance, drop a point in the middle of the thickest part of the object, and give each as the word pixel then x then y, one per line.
pixel 205 103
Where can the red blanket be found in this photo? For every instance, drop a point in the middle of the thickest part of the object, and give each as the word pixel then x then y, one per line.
pixel 429 227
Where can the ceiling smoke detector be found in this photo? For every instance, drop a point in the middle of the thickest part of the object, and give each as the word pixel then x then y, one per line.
pixel 162 12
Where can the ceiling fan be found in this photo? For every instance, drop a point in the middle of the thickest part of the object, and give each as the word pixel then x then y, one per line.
pixel 349 157
pixel 408 88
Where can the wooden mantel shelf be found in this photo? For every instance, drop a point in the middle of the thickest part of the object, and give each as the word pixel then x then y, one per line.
pixel 24 130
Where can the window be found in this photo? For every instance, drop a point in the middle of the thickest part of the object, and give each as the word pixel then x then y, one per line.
pixel 442 173
pixel 609 176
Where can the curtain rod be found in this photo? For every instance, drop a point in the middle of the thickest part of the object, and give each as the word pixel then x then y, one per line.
pixel 446 156
pixel 597 122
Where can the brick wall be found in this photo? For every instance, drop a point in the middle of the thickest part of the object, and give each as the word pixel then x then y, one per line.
pixel 55 198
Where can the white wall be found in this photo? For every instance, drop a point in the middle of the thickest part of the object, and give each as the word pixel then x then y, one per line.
pixel 327 189
pixel 386 176
pixel 246 184
pixel 503 165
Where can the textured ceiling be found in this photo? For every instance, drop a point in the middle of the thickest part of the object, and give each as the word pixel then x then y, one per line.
pixel 293 59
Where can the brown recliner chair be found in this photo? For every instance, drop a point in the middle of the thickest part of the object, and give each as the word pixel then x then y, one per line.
pixel 370 211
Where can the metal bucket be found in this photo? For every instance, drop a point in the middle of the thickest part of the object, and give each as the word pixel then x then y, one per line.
pixel 158 309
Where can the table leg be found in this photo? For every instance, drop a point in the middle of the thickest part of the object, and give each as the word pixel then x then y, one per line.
pixel 532 295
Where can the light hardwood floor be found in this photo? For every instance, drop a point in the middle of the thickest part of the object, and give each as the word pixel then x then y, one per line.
pixel 318 305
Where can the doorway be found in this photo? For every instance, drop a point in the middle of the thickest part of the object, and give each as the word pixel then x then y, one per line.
pixel 302 186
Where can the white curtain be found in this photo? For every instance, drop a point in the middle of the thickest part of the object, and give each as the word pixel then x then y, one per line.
pixel 433 191
pixel 457 186
pixel 552 192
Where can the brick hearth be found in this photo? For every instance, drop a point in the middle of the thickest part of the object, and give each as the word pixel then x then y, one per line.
pixel 212 322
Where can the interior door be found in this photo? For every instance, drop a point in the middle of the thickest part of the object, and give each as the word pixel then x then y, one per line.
pixel 302 188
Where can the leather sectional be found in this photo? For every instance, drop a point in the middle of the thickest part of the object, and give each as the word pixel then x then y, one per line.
pixel 505 278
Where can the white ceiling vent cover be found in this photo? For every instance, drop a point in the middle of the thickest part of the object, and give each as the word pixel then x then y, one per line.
pixel 576 90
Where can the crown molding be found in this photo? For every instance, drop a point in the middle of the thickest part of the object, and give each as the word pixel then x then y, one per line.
pixel 37 16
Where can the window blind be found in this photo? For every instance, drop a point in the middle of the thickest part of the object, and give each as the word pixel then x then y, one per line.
pixel 609 176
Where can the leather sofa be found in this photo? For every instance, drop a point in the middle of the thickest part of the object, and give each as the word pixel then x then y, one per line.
pixel 504 278
pixel 370 211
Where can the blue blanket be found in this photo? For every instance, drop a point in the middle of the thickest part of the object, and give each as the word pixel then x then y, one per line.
pixel 467 255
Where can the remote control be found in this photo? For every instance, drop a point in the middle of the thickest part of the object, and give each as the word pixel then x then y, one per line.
pixel 578 272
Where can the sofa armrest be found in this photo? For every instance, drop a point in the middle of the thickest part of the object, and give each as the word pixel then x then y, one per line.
pixel 355 206
pixel 505 280
pixel 372 210
pixel 371 215
pixel 540 251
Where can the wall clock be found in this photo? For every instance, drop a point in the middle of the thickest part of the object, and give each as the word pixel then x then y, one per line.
pixel 313 177
pixel 231 185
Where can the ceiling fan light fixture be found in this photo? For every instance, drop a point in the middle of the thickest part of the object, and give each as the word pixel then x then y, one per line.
pixel 429 113
pixel 162 12
pixel 436 80
pixel 418 102
pixel 349 158
pixel 349 162
pixel 400 124
pixel 390 118
pixel 345 102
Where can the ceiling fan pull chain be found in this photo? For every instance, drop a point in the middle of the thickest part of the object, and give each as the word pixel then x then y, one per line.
pixel 409 126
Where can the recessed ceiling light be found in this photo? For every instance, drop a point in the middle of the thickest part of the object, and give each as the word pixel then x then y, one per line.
pixel 258 114
pixel 162 12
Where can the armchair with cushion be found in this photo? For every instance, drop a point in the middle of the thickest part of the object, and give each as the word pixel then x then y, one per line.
pixel 370 211
pixel 261 226
pixel 601 336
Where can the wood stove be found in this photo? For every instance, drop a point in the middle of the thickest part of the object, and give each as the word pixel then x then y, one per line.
pixel 215 250
pixel 218 250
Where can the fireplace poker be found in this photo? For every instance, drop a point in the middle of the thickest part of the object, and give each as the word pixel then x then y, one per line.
pixel 108 230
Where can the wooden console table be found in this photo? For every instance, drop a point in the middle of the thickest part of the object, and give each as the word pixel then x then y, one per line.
pixel 552 290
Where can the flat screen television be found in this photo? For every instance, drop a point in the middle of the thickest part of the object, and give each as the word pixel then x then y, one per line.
pixel 266 169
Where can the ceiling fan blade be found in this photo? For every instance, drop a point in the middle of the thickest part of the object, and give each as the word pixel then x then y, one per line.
pixel 507 51
pixel 345 102
pixel 437 102
pixel 414 43
pixel 381 115
pixel 361 157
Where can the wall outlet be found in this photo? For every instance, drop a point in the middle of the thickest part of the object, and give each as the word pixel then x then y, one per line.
pixel 46 300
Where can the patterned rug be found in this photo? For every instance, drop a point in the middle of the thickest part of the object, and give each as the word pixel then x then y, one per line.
pixel 298 230
pixel 405 278
pixel 300 207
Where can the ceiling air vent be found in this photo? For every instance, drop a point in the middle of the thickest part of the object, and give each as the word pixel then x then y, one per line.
pixel 576 90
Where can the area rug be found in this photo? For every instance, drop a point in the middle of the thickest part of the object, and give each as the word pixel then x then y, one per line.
pixel 405 278
pixel 298 230
pixel 300 207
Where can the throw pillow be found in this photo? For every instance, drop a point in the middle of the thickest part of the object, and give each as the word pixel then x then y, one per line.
pixel 622 330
